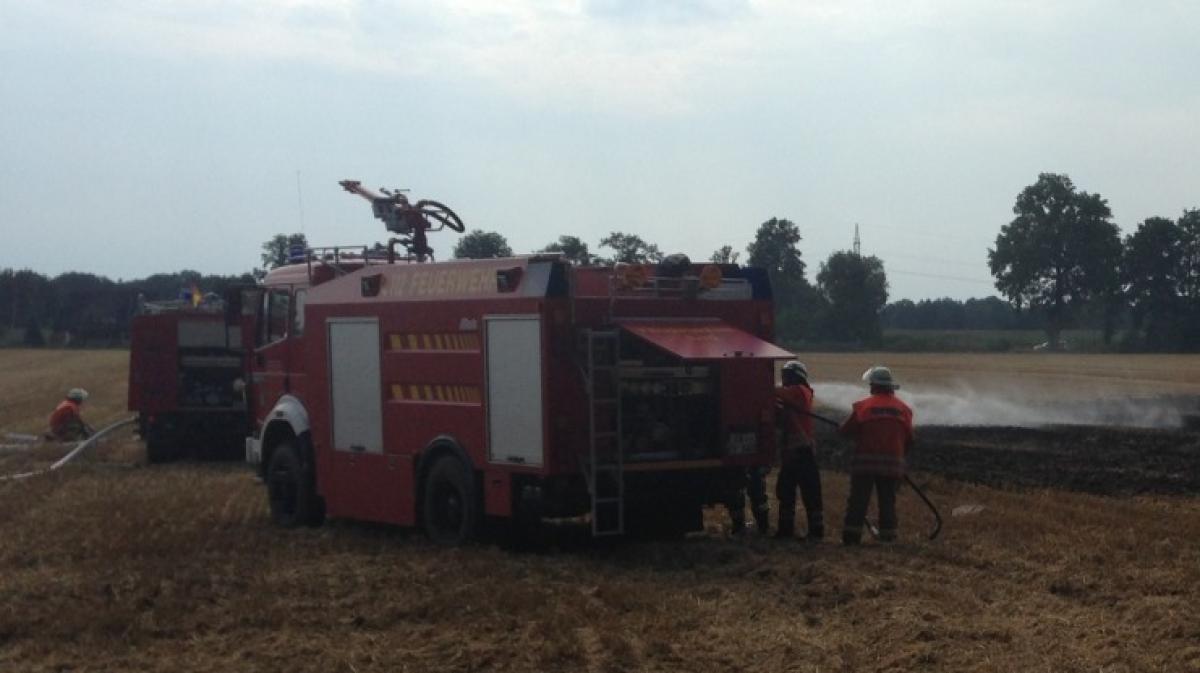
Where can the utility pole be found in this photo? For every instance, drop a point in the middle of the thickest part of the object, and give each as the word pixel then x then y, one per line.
pixel 857 242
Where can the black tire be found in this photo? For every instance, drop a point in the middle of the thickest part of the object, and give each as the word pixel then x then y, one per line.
pixel 449 506
pixel 291 491
pixel 160 446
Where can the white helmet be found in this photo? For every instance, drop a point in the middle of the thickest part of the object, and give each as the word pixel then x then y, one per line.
pixel 796 368
pixel 880 376
pixel 77 395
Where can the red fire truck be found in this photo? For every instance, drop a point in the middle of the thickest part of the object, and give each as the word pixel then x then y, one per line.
pixel 437 394
pixel 184 382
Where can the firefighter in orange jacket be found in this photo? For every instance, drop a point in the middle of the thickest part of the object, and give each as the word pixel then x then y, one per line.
pixel 882 429
pixel 66 422
pixel 797 460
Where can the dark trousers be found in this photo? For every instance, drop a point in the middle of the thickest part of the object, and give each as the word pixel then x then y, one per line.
pixel 800 471
pixel 861 486
pixel 756 489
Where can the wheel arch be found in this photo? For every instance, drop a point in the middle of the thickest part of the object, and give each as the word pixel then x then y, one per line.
pixel 443 445
pixel 288 420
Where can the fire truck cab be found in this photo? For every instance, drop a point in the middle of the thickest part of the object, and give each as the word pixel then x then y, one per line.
pixel 521 388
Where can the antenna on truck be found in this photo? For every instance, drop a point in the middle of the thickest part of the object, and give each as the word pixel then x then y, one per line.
pixel 412 221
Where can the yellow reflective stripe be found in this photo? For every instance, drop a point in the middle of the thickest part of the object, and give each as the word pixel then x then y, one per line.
pixel 412 342
pixel 396 341
pixel 438 343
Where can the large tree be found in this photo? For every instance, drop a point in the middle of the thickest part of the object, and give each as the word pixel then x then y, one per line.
pixel 573 249
pixel 856 289
pixel 631 249
pixel 1060 251
pixel 776 249
pixel 482 245
pixel 1152 272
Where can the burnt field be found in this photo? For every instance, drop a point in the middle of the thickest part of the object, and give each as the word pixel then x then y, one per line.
pixel 1072 549
pixel 1102 460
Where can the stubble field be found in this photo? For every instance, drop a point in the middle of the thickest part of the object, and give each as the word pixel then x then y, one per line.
pixel 110 564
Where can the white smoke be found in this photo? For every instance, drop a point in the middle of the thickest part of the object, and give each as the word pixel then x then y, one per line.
pixel 964 405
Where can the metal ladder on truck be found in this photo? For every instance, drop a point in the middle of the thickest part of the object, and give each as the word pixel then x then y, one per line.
pixel 605 471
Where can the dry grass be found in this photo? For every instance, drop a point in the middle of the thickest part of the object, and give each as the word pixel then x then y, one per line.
pixel 177 568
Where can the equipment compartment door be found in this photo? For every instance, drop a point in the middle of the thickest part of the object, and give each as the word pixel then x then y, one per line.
pixel 366 483
pixel 514 385
pixel 355 386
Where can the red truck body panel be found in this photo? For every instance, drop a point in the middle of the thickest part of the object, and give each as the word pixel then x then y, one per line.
pixel 432 324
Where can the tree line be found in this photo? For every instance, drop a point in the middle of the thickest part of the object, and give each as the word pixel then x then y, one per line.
pixel 83 309
pixel 1059 263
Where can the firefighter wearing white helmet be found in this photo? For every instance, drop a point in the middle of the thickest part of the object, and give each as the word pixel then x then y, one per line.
pixel 882 429
pixel 797 459
pixel 66 421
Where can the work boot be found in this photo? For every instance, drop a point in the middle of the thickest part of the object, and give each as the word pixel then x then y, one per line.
pixel 850 539
pixel 886 535
pixel 816 532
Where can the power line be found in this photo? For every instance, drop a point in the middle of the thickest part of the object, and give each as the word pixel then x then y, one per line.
pixel 939 276
pixel 939 260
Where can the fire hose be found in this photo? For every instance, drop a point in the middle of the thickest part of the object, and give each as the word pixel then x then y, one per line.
pixel 937 516
pixel 73 453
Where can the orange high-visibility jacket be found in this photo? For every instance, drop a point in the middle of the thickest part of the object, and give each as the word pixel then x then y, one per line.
pixel 882 428
pixel 797 404
pixel 66 412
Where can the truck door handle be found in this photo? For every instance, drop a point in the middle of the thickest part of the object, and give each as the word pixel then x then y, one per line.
pixel 358 447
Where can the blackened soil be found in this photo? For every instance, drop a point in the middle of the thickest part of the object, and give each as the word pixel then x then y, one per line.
pixel 1092 459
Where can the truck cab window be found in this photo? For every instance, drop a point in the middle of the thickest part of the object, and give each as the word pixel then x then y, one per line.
pixel 278 305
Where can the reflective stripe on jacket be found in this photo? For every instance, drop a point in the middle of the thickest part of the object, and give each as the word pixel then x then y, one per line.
pixel 882 428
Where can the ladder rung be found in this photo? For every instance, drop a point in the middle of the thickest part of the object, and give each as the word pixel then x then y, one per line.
pixel 608 466
pixel 604 434
pixel 604 400
pixel 608 501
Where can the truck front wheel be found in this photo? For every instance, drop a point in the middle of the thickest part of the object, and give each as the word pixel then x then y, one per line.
pixel 291 491
pixel 450 510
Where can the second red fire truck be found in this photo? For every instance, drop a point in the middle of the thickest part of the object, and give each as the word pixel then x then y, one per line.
pixel 437 394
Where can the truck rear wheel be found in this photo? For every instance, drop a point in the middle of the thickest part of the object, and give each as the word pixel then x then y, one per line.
pixel 291 491
pixel 450 510
pixel 160 445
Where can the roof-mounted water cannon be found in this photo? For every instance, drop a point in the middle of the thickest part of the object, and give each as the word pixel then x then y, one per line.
pixel 412 221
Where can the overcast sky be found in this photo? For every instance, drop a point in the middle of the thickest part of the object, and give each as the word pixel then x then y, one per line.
pixel 138 137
